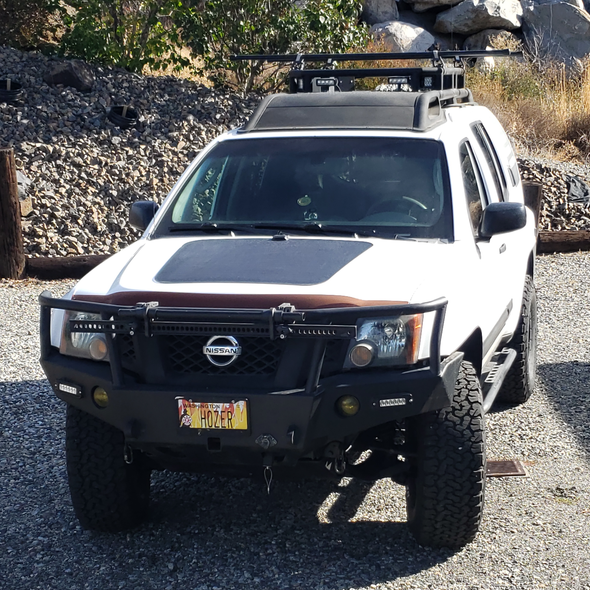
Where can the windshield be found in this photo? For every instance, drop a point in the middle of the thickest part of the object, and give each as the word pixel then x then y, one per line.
pixel 368 185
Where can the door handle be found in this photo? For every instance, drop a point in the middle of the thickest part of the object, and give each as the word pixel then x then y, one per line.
pixel 502 248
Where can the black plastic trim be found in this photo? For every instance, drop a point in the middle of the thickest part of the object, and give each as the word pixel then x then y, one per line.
pixel 354 110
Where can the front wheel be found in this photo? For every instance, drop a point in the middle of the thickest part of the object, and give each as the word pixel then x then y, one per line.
pixel 108 493
pixel 445 488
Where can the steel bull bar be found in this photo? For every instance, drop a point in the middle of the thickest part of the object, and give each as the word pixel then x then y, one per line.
pixel 276 323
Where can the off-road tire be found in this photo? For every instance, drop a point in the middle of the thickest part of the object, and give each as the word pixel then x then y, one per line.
pixel 108 494
pixel 520 380
pixel 445 488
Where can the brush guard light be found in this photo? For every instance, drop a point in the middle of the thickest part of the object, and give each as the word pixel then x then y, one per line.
pixel 348 405
pixel 100 397
pixel 362 354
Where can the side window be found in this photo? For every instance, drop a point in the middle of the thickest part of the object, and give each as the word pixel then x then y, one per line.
pixel 473 185
pixel 491 157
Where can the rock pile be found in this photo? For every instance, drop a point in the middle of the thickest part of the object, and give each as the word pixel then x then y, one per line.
pixel 566 196
pixel 84 172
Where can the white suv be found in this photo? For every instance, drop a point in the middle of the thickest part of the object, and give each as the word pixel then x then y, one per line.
pixel 342 287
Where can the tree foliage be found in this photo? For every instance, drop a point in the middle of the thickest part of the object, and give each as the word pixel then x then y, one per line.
pixel 125 33
pixel 217 29
pixel 332 26
pixel 135 33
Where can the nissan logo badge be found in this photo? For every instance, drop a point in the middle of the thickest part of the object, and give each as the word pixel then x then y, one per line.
pixel 222 351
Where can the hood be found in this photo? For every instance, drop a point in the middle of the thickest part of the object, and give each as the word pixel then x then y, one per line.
pixel 246 272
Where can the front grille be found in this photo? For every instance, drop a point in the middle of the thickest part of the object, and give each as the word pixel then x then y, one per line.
pixel 126 348
pixel 260 356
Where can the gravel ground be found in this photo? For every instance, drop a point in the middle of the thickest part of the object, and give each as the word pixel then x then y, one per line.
pixel 207 533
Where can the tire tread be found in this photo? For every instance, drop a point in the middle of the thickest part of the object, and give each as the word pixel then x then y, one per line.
pixel 447 506
pixel 517 388
pixel 107 494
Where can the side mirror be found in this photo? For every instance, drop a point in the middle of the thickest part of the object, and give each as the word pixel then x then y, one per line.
pixel 499 218
pixel 142 213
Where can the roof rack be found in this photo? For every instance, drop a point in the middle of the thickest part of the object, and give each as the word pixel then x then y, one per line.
pixel 420 79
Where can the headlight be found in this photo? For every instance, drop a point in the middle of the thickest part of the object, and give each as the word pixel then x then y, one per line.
pixel 385 342
pixel 87 345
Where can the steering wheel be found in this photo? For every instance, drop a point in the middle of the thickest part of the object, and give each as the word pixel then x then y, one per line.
pixel 406 205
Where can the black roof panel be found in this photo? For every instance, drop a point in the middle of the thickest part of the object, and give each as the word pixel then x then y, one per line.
pixel 418 111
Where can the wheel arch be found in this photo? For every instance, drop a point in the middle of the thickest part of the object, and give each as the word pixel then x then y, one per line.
pixel 530 267
pixel 472 349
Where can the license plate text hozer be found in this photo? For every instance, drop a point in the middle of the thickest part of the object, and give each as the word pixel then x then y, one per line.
pixel 213 416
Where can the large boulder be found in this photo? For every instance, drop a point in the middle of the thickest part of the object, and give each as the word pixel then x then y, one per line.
pixel 379 11
pixel 558 31
pixel 473 16
pixel 424 5
pixel 400 36
pixel 74 73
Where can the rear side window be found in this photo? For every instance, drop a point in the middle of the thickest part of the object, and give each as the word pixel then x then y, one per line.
pixel 491 157
pixel 473 185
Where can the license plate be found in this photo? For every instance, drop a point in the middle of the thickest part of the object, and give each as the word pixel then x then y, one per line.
pixel 213 415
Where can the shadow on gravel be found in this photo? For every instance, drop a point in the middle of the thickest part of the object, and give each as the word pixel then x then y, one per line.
pixel 567 386
pixel 281 535
pixel 204 533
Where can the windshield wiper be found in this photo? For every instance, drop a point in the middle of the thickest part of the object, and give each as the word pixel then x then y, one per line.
pixel 314 227
pixel 207 226
pixel 310 227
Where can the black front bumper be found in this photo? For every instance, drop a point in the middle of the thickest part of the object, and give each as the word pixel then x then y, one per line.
pixel 297 423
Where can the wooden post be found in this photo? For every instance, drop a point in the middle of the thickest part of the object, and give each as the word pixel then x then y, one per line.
pixel 12 255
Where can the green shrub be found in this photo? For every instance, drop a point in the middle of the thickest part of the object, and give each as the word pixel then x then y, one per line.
pixel 126 33
pixel 331 26
pixel 216 29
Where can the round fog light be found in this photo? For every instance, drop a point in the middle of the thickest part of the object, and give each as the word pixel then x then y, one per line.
pixel 362 354
pixel 100 397
pixel 98 349
pixel 348 405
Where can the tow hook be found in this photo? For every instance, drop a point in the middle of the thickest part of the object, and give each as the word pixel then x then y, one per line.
pixel 266 441
pixel 127 454
pixel 267 471
pixel 336 462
